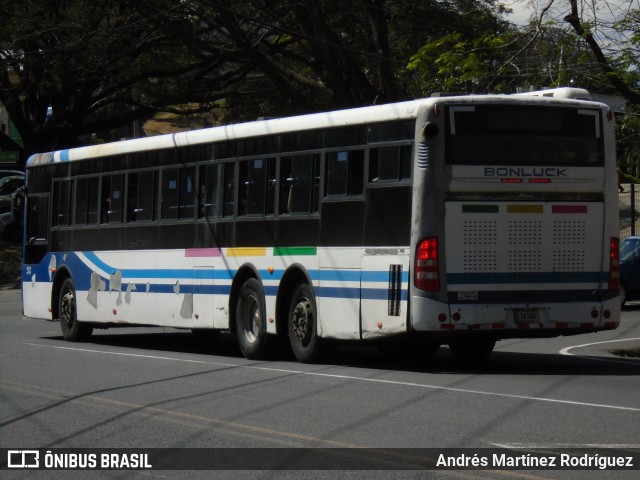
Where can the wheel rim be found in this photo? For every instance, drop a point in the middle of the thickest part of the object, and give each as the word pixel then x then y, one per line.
pixel 252 320
pixel 67 308
pixel 302 321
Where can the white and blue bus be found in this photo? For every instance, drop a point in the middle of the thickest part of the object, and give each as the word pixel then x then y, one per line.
pixel 453 221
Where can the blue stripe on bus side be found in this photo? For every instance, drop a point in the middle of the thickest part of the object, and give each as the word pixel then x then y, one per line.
pixel 185 289
pixel 272 291
pixel 82 278
pixel 220 274
pixel 185 273
pixel 269 291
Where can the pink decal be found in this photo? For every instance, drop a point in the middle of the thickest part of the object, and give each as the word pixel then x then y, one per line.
pixel 569 209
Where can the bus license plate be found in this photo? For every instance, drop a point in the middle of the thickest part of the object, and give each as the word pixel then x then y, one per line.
pixel 526 316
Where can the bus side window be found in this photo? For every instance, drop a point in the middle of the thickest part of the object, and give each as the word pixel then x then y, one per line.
pixel 299 184
pixel 228 193
pixel 169 200
pixel 209 204
pixel 390 164
pixel 187 193
pixel 37 221
pixel 87 201
pixel 257 187
pixel 141 196
pixel 286 185
pixel 345 171
pixel 111 199
pixel 62 195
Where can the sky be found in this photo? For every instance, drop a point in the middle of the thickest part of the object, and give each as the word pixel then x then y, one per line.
pixel 607 10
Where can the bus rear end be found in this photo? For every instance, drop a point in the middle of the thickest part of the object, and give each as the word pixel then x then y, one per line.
pixel 516 230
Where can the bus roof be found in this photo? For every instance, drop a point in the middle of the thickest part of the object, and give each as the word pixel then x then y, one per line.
pixel 337 118
pixel 563 92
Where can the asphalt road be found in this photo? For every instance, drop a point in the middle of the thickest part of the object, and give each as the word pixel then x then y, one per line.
pixel 163 388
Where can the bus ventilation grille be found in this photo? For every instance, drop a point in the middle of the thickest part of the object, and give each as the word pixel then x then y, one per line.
pixel 395 289
pixel 423 155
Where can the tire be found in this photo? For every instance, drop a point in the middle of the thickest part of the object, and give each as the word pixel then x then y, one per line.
pixel 72 329
pixel 623 294
pixel 251 320
pixel 472 349
pixel 302 325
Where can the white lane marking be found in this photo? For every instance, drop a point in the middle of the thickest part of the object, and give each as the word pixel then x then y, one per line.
pixel 343 377
pixel 565 351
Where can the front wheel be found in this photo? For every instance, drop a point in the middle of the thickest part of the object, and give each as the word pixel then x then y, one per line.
pixel 302 325
pixel 72 329
pixel 472 349
pixel 250 320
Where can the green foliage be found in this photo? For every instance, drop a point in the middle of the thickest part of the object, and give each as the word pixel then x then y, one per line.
pixel 454 63
pixel 628 141
pixel 629 55
pixel 101 64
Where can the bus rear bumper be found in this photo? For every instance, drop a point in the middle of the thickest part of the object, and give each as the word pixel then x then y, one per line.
pixel 549 319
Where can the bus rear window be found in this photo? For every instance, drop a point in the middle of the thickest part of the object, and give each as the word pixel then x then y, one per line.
pixel 523 135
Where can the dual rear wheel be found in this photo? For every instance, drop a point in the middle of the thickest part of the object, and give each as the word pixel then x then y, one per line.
pixel 251 323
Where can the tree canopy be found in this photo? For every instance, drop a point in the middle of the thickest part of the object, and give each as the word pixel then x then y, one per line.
pixel 101 64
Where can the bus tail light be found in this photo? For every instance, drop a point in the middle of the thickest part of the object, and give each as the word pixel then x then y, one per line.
pixel 427 269
pixel 614 263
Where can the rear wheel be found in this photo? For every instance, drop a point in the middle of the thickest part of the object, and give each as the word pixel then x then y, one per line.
pixel 472 349
pixel 302 325
pixel 623 294
pixel 72 330
pixel 250 320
